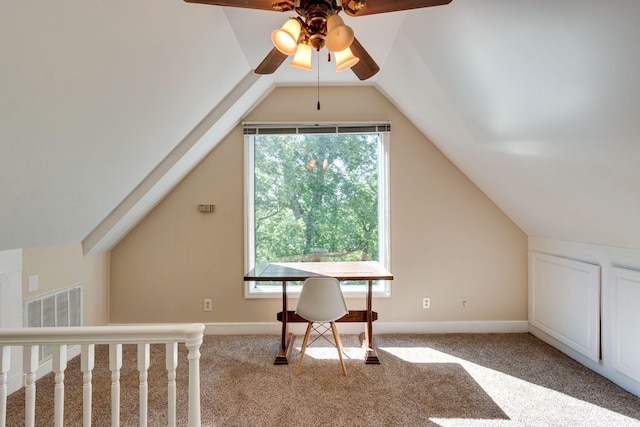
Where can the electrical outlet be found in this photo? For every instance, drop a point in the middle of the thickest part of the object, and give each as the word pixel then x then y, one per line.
pixel 464 302
pixel 207 304
pixel 426 303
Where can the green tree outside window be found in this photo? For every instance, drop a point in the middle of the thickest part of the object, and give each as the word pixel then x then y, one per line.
pixel 316 197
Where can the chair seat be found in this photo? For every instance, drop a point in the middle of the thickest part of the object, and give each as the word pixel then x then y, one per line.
pixel 321 301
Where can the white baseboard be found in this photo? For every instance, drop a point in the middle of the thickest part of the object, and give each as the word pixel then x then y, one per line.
pixel 601 368
pixel 274 328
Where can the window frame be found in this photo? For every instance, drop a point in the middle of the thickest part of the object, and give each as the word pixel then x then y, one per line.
pixel 381 288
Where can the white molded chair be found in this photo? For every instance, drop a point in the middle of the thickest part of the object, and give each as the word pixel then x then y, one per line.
pixel 321 301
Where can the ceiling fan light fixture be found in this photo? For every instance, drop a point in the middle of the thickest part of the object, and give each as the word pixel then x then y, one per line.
pixel 285 39
pixel 339 36
pixel 317 20
pixel 302 59
pixel 345 59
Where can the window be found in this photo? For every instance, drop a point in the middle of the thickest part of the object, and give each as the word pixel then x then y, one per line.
pixel 315 193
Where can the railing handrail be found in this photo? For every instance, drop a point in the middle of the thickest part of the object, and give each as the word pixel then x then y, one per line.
pixel 117 334
pixel 191 334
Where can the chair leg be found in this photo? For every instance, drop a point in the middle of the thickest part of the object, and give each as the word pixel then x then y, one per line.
pixel 304 347
pixel 336 337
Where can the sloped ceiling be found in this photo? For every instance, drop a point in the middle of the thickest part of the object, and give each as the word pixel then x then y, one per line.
pixel 105 106
pixel 538 103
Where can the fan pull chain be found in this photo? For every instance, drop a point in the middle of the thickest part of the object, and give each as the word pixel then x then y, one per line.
pixel 318 54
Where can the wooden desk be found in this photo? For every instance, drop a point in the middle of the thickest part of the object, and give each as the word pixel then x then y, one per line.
pixel 299 271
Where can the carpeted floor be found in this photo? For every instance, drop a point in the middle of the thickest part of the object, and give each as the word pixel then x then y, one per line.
pixel 423 380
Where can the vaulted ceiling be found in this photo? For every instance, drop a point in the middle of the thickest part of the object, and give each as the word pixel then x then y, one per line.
pixel 106 105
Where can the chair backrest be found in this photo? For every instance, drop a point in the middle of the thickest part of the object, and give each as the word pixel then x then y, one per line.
pixel 321 300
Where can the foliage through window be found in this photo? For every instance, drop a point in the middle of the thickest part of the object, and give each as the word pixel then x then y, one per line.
pixel 315 197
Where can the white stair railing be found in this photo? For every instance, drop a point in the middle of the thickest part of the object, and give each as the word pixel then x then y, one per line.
pixel 115 336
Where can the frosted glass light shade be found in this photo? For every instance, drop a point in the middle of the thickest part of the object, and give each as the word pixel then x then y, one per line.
pixel 285 39
pixel 303 57
pixel 339 36
pixel 345 59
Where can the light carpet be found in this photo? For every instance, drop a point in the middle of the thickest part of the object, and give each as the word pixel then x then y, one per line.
pixel 423 380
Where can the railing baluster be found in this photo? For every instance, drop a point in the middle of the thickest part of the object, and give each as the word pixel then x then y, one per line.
pixel 30 365
pixel 171 364
pixel 115 337
pixel 87 362
pixel 59 366
pixel 194 382
pixel 5 362
pixel 115 364
pixel 143 367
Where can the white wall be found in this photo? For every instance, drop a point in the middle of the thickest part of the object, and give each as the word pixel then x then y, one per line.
pixel 11 307
pixel 620 319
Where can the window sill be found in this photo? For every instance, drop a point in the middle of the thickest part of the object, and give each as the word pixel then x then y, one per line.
pixel 361 292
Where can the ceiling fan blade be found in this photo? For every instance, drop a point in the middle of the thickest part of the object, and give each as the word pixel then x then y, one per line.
pixel 366 66
pixel 248 4
pixel 271 62
pixel 383 6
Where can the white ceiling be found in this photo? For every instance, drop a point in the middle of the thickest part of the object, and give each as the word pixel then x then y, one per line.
pixel 105 106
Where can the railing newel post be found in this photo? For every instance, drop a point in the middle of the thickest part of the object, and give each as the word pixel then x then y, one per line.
pixel 193 345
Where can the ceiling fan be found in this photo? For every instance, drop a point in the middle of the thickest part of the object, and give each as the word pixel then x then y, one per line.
pixel 318 25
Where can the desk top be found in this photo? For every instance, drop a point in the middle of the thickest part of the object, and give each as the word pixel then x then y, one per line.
pixel 285 271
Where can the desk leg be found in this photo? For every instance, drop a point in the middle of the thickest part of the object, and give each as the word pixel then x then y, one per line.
pixel 286 339
pixel 371 356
